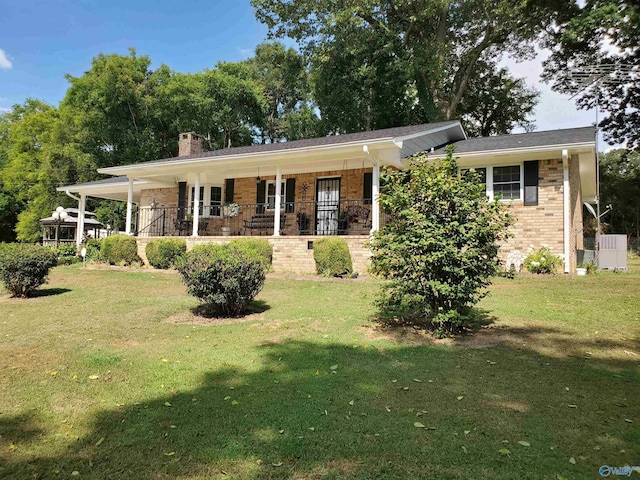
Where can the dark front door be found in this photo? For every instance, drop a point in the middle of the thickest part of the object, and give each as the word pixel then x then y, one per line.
pixel 327 206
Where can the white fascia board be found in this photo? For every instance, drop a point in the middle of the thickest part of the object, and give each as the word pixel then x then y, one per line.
pixel 122 170
pixel 521 150
pixel 102 186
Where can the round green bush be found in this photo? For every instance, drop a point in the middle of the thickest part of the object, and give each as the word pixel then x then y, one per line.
pixel 24 267
pixel 93 249
pixel 256 246
pixel 222 277
pixel 67 253
pixel 542 261
pixel 164 253
pixel 332 257
pixel 119 249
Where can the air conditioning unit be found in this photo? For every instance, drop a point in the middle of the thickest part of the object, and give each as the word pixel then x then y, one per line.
pixel 612 254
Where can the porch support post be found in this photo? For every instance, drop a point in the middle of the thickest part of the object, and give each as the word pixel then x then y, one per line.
pixel 196 205
pixel 127 227
pixel 375 191
pixel 566 205
pixel 276 218
pixel 82 205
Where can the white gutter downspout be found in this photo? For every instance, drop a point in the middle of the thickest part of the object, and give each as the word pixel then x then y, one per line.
pixel 567 213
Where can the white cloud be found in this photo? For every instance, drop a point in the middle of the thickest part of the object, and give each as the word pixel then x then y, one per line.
pixel 5 63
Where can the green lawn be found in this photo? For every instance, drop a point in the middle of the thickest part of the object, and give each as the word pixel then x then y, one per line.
pixel 101 375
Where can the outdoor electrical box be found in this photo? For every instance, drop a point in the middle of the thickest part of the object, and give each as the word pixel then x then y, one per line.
pixel 612 253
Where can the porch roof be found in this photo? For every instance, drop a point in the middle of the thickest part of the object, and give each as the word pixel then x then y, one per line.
pixel 337 152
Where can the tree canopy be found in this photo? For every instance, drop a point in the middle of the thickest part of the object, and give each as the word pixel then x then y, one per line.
pixel 603 36
pixel 406 61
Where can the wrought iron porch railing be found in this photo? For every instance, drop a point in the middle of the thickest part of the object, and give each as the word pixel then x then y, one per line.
pixel 344 217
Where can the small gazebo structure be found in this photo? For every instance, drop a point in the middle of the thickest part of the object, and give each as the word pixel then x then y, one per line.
pixel 67 227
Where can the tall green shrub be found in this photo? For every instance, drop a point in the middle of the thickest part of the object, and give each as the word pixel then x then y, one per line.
pixel 440 250
pixel 24 267
pixel 256 246
pixel 222 277
pixel 164 253
pixel 542 261
pixel 332 257
pixel 119 249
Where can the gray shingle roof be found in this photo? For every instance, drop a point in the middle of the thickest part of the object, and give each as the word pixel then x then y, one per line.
pixel 313 142
pixel 104 181
pixel 523 140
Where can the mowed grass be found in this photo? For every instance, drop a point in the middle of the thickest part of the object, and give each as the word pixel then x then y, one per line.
pixel 100 375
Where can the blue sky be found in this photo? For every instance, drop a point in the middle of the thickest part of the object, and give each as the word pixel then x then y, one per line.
pixel 42 40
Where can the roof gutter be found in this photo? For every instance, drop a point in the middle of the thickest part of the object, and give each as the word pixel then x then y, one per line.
pixel 533 149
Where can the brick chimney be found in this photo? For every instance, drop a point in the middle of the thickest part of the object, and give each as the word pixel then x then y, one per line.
pixel 189 144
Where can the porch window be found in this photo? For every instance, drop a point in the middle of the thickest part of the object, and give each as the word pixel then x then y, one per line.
pixel 506 180
pixel 271 194
pixel 210 200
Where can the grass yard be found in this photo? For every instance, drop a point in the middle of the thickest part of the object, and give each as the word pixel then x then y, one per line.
pixel 102 376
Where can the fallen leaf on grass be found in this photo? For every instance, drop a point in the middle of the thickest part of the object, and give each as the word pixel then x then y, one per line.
pixel 93 377
pixel 467 432
pixel 524 444
pixel 167 404
pixel 628 420
pixel 572 461
pixel 169 454
pixel 99 442
pixel 464 449
pixel 417 380
pixel 234 402
pixel 332 367
pixel 352 402
pixel 418 424
pixel 504 451
pixel 277 464
pixel 460 397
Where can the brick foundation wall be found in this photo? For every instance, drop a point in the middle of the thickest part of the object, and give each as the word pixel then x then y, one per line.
pixel 290 253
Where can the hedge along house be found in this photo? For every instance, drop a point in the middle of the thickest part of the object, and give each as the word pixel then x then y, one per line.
pixel 295 192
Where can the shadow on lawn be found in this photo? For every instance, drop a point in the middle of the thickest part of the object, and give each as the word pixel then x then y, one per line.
pixel 48 292
pixel 317 410
pixel 209 311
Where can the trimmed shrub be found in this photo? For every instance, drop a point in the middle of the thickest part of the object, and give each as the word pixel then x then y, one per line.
pixel 93 249
pixel 256 246
pixel 67 253
pixel 332 257
pixel 542 261
pixel 119 249
pixel 166 252
pixel 221 277
pixel 24 267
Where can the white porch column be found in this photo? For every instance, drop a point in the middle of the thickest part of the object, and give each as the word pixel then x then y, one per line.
pixel 566 204
pixel 375 205
pixel 82 205
pixel 196 205
pixel 127 227
pixel 276 218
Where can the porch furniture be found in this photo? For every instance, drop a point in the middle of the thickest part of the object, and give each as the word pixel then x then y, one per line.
pixel 515 259
pixel 358 214
pixel 184 227
pixel 262 223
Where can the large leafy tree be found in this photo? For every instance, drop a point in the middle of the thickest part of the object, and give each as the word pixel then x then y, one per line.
pixel 604 36
pixel 496 103
pixel 433 48
pixel 620 187
pixel 42 152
